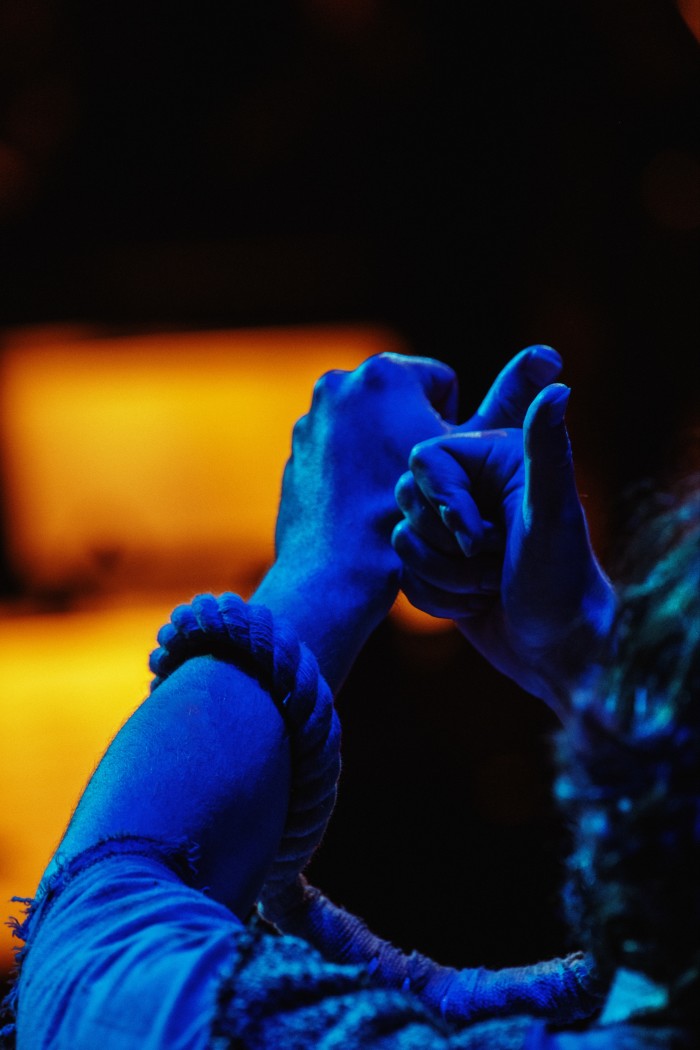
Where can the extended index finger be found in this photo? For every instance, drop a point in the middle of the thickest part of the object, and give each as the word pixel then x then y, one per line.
pixel 515 387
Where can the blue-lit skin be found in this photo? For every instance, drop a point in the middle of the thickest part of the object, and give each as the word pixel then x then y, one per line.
pixel 337 513
pixel 335 574
pixel 495 538
pixel 205 758
pixel 193 763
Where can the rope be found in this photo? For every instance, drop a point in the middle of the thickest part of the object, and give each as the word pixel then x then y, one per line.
pixel 268 648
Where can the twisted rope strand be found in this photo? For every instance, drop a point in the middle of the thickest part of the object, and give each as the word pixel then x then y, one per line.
pixel 248 636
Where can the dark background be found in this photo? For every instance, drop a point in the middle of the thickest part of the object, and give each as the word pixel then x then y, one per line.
pixel 477 177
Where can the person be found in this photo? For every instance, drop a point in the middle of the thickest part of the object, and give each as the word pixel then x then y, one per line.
pixel 629 750
pixel 216 792
pixel 630 784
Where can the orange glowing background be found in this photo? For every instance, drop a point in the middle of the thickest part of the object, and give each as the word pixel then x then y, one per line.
pixel 137 470
pixel 149 458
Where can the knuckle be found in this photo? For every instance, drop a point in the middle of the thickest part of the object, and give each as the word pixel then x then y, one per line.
pixel 299 429
pixel 399 537
pixel 404 490
pixel 376 372
pixel 420 456
pixel 327 384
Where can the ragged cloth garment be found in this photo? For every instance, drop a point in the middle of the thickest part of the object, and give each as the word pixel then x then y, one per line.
pixel 122 953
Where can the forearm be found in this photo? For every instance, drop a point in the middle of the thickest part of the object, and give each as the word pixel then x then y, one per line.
pixel 334 608
pixel 205 759
pixel 209 756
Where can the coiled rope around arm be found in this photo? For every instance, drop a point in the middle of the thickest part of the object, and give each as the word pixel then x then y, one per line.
pixel 268 648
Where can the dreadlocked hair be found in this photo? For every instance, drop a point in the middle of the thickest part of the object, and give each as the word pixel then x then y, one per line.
pixel 629 767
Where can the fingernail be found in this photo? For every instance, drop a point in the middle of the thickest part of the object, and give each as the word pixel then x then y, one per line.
pixel 451 518
pixel 446 515
pixel 465 542
pixel 543 364
pixel 556 405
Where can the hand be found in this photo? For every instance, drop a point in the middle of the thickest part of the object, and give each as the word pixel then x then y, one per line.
pixel 495 538
pixel 336 574
pixel 337 508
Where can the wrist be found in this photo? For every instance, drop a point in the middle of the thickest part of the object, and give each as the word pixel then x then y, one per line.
pixel 334 605
pixel 572 661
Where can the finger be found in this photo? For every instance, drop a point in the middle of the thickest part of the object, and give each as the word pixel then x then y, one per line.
pixel 514 388
pixel 453 573
pixel 327 384
pixel 443 604
pixel 447 470
pixel 447 487
pixel 422 517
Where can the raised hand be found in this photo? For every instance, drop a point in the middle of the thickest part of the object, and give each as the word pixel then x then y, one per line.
pixel 335 567
pixel 494 537
pixel 336 575
pixel 337 508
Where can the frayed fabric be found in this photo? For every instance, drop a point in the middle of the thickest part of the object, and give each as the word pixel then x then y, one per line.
pixel 8 1005
pixel 560 990
pixel 122 955
pixel 282 993
pixel 180 856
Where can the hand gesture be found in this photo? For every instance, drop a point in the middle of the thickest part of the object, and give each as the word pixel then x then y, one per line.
pixel 338 509
pixel 494 537
pixel 336 574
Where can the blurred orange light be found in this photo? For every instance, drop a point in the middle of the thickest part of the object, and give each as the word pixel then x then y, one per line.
pixel 157 457
pixel 69 681
pixel 137 470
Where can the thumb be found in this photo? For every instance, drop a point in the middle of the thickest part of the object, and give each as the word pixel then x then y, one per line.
pixel 551 498
pixel 563 591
